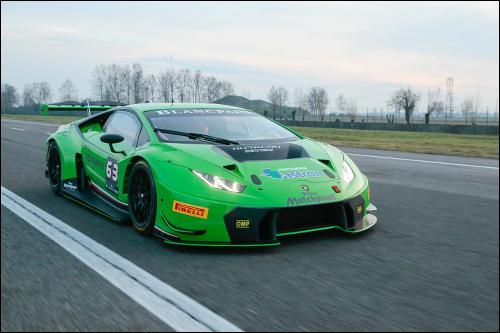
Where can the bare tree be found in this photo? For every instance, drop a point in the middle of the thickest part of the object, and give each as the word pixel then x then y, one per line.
pixel 150 88
pixel 68 91
pixel 318 101
pixel 115 82
pixel 9 98
pixel 212 88
pixel 467 107
pixel 434 104
pixel 283 99
pixel 183 85
pixel 273 98
pixel 407 100
pixel 352 109
pixel 340 101
pixel 45 93
pixel 164 86
pixel 137 82
pixel 36 93
pixel 300 100
pixel 28 92
pixel 477 103
pixel 98 81
pixel 197 86
pixel 126 82
pixel 226 88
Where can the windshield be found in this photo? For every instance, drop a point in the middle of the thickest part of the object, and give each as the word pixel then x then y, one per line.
pixel 236 125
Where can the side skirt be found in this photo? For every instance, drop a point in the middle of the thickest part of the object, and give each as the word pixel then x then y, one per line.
pixel 94 201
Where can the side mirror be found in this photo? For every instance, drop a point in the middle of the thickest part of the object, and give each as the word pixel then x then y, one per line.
pixel 111 139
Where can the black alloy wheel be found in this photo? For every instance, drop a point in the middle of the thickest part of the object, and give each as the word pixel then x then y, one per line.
pixel 142 198
pixel 54 168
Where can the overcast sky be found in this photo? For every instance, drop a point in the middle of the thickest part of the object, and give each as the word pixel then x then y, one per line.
pixel 363 50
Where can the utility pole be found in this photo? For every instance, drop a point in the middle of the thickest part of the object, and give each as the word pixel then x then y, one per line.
pixel 172 85
pixel 449 95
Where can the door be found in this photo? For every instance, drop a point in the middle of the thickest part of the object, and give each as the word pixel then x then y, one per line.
pixel 104 167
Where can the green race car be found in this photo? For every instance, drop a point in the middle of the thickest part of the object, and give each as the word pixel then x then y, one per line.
pixel 205 174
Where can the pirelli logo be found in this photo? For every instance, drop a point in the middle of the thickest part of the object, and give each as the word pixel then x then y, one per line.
pixel 190 210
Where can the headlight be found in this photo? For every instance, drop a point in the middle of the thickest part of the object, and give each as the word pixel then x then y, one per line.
pixel 220 183
pixel 347 174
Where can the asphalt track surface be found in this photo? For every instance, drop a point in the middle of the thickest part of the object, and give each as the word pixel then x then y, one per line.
pixel 430 263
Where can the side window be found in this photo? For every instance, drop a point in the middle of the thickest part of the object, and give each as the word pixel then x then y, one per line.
pixel 124 124
pixel 143 137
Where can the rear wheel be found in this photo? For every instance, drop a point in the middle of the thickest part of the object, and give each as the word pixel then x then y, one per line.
pixel 54 168
pixel 142 198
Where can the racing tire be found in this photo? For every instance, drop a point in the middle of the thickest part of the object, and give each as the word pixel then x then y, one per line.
pixel 54 168
pixel 142 198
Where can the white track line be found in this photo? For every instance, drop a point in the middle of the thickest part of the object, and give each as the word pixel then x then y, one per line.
pixel 425 161
pixel 28 122
pixel 170 306
pixel 17 129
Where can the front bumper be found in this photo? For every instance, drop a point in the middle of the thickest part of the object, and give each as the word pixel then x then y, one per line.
pixel 250 226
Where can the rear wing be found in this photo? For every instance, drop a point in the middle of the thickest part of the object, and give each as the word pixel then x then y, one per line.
pixel 45 108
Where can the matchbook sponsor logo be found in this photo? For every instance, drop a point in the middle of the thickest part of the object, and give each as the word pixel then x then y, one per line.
pixel 191 210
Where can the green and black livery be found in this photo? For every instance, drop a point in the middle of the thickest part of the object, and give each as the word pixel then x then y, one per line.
pixel 205 174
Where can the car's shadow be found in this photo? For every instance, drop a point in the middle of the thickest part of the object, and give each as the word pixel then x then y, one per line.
pixel 334 235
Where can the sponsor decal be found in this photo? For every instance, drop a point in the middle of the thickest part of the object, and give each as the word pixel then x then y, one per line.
pixel 242 224
pixel 94 161
pixel 305 188
pixel 112 175
pixel 195 112
pixel 265 152
pixel 359 209
pixel 291 173
pixel 70 186
pixel 309 198
pixel 256 148
pixel 191 210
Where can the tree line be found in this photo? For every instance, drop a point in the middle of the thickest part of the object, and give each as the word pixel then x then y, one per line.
pixel 316 100
pixel 130 85
pixel 126 84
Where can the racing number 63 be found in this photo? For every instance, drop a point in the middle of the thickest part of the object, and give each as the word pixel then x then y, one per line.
pixel 112 170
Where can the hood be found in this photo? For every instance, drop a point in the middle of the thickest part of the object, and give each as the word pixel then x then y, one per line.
pixel 277 164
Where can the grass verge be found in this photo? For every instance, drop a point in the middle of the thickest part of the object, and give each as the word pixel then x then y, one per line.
pixel 419 142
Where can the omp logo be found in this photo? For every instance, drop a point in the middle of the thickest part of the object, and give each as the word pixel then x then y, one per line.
pixel 242 224
pixel 190 210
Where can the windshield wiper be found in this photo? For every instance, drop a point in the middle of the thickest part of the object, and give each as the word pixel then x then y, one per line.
pixel 196 136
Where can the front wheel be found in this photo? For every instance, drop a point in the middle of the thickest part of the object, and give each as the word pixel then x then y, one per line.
pixel 142 198
pixel 54 168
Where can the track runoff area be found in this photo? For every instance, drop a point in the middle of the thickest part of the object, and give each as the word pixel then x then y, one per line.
pixel 387 171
